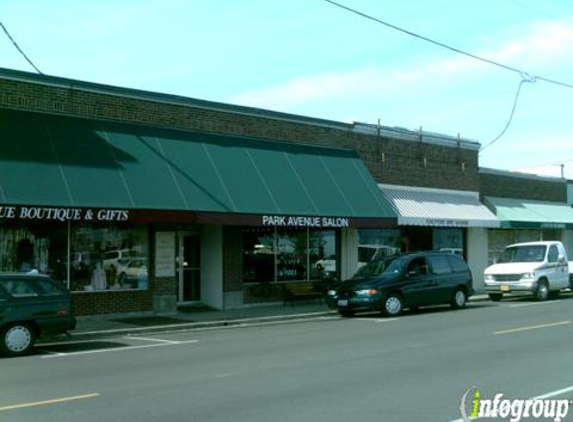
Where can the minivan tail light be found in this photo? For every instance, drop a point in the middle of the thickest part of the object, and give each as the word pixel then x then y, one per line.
pixel 62 312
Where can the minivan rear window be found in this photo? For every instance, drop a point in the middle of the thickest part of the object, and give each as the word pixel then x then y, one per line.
pixel 439 264
pixel 457 263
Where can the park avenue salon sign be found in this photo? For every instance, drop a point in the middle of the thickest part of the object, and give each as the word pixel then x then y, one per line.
pixel 301 221
pixel 16 212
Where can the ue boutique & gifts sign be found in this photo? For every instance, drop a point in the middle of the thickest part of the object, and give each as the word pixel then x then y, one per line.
pixel 38 213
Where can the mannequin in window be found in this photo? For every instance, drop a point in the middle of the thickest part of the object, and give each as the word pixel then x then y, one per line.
pixel 98 280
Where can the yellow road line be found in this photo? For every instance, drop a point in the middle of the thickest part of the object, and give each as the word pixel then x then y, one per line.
pixel 47 402
pixel 533 327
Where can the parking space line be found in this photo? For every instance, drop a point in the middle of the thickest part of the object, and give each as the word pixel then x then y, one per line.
pixel 47 402
pixel 153 339
pixel 118 349
pixel 521 305
pixel 532 327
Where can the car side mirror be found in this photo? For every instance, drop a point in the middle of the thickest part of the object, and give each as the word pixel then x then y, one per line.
pixel 561 259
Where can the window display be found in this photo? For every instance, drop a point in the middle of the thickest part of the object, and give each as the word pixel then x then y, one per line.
pixel 96 258
pixel 109 258
pixel 280 254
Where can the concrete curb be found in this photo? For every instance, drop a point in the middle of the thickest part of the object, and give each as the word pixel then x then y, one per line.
pixel 205 325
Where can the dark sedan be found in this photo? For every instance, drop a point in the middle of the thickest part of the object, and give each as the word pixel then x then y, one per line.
pixel 405 281
pixel 31 306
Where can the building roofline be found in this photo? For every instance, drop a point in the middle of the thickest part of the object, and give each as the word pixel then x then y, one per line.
pixel 355 127
pixel 521 175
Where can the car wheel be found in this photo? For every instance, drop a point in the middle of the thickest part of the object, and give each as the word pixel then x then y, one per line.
pixel 393 305
pixel 121 279
pixel 346 313
pixel 17 339
pixel 459 300
pixel 542 292
pixel 495 297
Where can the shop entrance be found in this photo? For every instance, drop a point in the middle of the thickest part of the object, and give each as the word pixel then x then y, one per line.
pixel 189 259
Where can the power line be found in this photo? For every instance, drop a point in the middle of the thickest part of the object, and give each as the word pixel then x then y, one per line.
pixel 448 47
pixel 523 80
pixel 19 49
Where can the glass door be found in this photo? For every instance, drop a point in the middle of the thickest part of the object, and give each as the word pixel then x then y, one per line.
pixel 189 268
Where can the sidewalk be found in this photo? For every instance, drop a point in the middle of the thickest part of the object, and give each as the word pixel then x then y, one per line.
pixel 195 318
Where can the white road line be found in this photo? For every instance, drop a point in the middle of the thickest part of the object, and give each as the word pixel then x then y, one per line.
pixel 153 339
pixel 47 402
pixel 375 319
pixel 117 349
pixel 522 305
pixel 532 327
pixel 540 397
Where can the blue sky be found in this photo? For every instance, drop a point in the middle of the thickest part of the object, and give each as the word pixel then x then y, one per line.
pixel 311 58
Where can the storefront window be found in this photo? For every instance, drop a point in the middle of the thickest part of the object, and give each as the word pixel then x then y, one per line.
pixel 100 258
pixel 271 254
pixel 377 243
pixel 108 258
pixel 449 240
pixel 259 252
pixel 33 248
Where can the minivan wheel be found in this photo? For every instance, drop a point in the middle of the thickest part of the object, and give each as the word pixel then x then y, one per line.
pixel 542 292
pixel 17 339
pixel 459 300
pixel 393 305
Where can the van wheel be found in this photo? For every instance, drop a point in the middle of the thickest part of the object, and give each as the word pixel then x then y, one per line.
pixel 542 292
pixel 459 300
pixel 495 297
pixel 393 305
pixel 17 339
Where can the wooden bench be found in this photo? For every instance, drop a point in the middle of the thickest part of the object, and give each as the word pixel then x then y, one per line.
pixel 302 291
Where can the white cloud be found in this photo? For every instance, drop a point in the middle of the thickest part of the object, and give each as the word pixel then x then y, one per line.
pixel 539 47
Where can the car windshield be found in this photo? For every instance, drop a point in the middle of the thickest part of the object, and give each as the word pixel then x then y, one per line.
pixel 532 253
pixel 380 266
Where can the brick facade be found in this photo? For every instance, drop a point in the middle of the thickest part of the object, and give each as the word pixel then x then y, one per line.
pixel 390 159
pixel 111 302
pixel 521 186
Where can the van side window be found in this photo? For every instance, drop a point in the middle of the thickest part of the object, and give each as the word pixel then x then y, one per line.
pixel 417 267
pixel 439 264
pixel 457 263
pixel 553 255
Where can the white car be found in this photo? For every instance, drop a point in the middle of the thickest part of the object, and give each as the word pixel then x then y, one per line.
pixel 132 273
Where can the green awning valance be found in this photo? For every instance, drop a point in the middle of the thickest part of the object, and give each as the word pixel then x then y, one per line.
pixel 62 161
pixel 521 213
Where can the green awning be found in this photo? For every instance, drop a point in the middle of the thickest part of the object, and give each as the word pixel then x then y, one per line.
pixel 62 161
pixel 521 213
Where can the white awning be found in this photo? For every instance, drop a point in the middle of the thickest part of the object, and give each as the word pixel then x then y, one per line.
pixel 438 207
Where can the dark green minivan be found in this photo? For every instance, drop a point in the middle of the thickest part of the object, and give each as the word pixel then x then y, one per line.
pixel 31 306
pixel 405 281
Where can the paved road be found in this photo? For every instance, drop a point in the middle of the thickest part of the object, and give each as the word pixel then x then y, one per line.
pixel 412 368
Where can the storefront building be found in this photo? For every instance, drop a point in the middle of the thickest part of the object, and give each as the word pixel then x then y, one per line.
pixel 139 218
pixel 443 220
pixel 528 207
pixel 145 202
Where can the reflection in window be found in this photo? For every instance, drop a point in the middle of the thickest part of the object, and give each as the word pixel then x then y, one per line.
pixel 374 244
pixel 271 254
pixel 108 258
pixel 259 252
